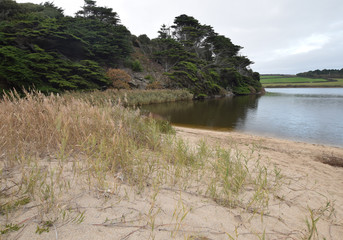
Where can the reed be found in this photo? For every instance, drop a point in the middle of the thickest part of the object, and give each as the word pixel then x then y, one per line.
pixel 133 97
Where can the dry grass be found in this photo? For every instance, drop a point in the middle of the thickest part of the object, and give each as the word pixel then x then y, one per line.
pixel 132 97
pixel 52 144
pixel 43 136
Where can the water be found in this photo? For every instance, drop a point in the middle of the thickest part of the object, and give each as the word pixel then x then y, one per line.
pixel 312 115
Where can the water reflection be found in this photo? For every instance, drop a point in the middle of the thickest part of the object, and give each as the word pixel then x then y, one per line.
pixel 222 113
pixel 310 115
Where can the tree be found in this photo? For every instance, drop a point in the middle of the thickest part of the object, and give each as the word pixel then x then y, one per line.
pixel 107 44
pixel 168 52
pixel 103 14
pixel 164 32
pixel 9 9
pixel 190 33
pixel 222 49
pixel 41 48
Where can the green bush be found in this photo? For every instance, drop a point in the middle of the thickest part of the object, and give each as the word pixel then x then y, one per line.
pixel 136 66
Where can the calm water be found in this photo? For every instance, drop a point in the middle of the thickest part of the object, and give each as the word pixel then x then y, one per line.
pixel 312 115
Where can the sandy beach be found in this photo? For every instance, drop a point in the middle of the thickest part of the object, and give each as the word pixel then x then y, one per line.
pixel 309 203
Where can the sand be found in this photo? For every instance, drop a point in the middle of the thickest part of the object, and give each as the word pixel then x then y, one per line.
pixel 312 184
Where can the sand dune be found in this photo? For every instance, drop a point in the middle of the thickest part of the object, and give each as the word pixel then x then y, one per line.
pixel 312 189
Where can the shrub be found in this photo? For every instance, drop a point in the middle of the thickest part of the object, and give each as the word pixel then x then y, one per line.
pixel 136 66
pixel 149 77
pixel 119 78
pixel 154 85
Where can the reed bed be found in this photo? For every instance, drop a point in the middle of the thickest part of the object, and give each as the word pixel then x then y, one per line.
pixel 133 97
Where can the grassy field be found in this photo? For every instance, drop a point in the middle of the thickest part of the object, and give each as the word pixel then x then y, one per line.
pixel 294 81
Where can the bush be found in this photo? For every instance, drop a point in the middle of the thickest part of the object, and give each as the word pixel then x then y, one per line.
pixel 154 85
pixel 136 66
pixel 119 78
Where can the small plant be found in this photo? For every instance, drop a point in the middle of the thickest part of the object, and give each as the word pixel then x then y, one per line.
pixel 45 227
pixel 315 216
pixel 149 77
pixel 79 218
pixel 10 228
pixel 8 207
pixel 179 215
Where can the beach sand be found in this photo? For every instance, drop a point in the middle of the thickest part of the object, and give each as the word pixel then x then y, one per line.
pixel 312 187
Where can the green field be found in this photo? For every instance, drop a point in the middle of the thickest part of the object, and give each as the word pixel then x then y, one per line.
pixel 294 81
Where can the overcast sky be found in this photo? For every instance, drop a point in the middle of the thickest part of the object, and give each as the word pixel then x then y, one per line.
pixel 280 36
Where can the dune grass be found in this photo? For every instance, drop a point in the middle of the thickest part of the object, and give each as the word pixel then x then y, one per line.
pixel 52 145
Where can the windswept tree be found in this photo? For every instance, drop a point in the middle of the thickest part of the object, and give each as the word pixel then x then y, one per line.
pixel 104 14
pixel 190 33
pixel 196 57
pixel 221 49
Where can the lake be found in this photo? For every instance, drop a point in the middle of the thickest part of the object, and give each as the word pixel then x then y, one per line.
pixel 313 115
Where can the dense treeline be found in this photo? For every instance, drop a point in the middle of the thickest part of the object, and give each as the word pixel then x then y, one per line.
pixel 326 73
pixel 40 47
pixel 196 57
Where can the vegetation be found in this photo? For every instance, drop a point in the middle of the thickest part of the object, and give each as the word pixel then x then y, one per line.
pixel 296 81
pixel 43 49
pixel 119 78
pixel 325 73
pixel 194 56
pixel 131 97
pixel 57 143
pixel 56 148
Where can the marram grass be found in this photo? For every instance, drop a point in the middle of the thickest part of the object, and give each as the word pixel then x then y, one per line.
pixel 52 144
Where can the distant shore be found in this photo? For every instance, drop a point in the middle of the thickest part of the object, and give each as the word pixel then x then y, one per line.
pixel 303 86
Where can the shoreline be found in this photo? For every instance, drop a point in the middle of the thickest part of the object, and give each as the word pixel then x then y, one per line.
pixel 314 151
pixel 303 86
pixel 255 135
pixel 312 173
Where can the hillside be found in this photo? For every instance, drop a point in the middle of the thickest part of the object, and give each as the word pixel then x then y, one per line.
pixel 42 48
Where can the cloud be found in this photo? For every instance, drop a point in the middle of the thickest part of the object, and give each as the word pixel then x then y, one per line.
pixel 313 42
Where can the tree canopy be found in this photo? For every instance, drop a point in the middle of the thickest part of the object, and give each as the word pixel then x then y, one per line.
pixel 196 57
pixel 40 47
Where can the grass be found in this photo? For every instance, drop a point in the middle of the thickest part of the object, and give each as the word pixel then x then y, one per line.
pixel 133 97
pixel 53 145
pixel 294 81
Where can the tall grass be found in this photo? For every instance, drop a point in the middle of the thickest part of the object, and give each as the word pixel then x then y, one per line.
pixel 134 97
pixel 41 136
pixel 101 144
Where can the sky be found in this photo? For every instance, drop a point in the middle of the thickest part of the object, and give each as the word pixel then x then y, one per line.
pixel 279 36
